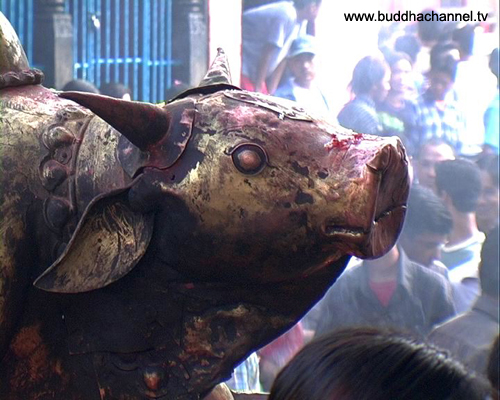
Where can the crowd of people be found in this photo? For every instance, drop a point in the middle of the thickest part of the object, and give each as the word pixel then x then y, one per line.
pixel 427 311
pixel 436 292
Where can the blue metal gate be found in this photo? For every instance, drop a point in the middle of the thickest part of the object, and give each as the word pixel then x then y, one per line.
pixel 20 14
pixel 126 41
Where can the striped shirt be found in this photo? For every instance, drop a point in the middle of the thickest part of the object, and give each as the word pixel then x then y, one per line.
pixel 446 122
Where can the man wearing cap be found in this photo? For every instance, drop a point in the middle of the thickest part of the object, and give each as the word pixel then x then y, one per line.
pixel 268 32
pixel 301 86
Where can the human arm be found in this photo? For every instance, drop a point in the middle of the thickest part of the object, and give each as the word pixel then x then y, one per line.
pixel 262 67
pixel 360 118
pixel 222 392
pixel 441 295
pixel 275 78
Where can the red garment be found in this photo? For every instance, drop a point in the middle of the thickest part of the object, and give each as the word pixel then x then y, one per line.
pixel 383 291
pixel 247 84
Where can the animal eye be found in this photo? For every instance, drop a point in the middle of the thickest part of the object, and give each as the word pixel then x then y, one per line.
pixel 249 159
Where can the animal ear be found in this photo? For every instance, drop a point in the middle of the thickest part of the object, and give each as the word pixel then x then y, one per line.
pixel 108 242
pixel 160 133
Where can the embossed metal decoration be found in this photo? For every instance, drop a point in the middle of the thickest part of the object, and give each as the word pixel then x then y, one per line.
pixel 146 250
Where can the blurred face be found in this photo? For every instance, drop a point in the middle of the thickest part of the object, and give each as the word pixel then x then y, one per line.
pixel 440 84
pixel 425 248
pixel 380 90
pixel 401 81
pixel 312 11
pixel 426 163
pixel 302 68
pixel 487 214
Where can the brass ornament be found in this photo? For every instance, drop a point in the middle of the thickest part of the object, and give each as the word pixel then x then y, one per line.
pixel 145 250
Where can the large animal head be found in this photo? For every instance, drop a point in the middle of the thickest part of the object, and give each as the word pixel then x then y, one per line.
pixel 234 186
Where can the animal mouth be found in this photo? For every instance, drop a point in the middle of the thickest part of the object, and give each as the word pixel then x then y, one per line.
pixel 341 231
pixel 371 242
pixel 332 229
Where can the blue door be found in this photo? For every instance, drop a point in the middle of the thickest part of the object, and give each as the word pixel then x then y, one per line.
pixel 126 41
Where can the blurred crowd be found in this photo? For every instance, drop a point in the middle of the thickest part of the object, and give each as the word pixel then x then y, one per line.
pixel 440 283
pixel 438 287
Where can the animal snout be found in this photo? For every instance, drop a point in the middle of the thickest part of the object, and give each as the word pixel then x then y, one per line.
pixel 375 203
pixel 391 185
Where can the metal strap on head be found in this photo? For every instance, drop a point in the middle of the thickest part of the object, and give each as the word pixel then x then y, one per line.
pixel 169 149
pixel 281 108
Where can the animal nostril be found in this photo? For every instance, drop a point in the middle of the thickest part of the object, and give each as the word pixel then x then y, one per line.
pixel 382 159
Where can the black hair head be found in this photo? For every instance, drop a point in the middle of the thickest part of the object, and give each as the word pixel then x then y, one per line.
pixel 369 71
pixel 493 369
pixel 433 142
pixel 80 85
pixel 490 164
pixel 408 44
pixel 426 213
pixel 494 62
pixel 464 37
pixel 429 31
pixel 373 364
pixel 461 180
pixel 115 89
pixel 393 57
pixel 489 267
pixel 443 50
pixel 444 58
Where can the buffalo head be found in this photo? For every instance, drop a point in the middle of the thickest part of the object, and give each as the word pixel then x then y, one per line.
pixel 166 242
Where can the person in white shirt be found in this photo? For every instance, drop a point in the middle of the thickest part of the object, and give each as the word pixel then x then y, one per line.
pixel 268 32
pixel 302 86
pixel 458 183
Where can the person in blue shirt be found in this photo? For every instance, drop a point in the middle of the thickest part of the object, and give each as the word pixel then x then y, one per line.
pixel 492 114
pixel 302 86
pixel 438 114
pixel 370 84
pixel 268 32
pixel 245 376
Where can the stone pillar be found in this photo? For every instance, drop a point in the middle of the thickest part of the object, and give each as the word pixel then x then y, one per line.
pixel 190 40
pixel 53 44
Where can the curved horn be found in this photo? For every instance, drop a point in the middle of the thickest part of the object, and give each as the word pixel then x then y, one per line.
pixel 218 72
pixel 144 124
